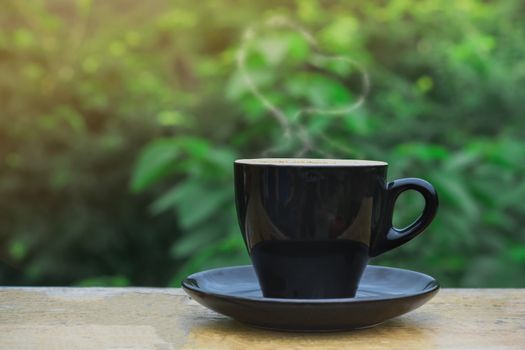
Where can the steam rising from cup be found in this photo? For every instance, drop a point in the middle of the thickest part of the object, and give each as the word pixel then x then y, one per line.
pixel 293 125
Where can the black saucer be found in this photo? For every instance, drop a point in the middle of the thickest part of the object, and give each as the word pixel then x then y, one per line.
pixel 383 293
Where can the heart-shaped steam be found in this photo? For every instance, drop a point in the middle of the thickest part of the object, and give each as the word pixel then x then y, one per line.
pixel 292 125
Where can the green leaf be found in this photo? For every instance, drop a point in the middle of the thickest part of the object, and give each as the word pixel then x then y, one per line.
pixel 194 201
pixel 357 123
pixel 340 34
pixel 422 151
pixel 194 240
pixel 172 118
pixel 461 160
pixel 18 250
pixel 223 158
pixel 104 281
pixel 195 147
pixel 517 253
pixel 499 219
pixel 274 49
pixel 227 252
pixel 23 38
pixel 168 200
pixel 201 206
pixel 156 161
pixel 298 47
pixel 456 193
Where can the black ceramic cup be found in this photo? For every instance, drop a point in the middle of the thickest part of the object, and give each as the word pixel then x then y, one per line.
pixel 311 225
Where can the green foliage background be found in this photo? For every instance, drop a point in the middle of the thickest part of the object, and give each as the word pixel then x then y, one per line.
pixel 119 122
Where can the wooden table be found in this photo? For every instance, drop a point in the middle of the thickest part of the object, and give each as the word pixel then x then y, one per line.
pixel 162 319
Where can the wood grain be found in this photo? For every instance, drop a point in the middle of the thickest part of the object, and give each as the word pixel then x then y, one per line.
pixel 162 319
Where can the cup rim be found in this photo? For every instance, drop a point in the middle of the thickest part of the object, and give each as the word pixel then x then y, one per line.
pixel 310 162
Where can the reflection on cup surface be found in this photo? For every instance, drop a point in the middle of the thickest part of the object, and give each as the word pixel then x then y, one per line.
pixel 309 269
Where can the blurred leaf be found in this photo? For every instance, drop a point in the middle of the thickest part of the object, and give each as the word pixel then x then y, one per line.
pixel 18 250
pixel 194 201
pixel 198 239
pixel 104 281
pixel 23 38
pixel 84 6
pixel 298 48
pixel 340 33
pixel 358 123
pixel 223 158
pixel 499 219
pixel 425 83
pixel 422 151
pixel 171 118
pixel 230 251
pixel 517 253
pixel 274 49
pixel 196 147
pixel 156 161
pixel 456 193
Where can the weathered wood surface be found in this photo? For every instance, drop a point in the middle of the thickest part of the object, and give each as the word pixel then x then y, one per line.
pixel 162 319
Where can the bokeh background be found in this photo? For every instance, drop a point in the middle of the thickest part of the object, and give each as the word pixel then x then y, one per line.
pixel 119 122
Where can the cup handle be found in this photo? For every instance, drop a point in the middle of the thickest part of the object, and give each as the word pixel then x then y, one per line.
pixel 392 237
